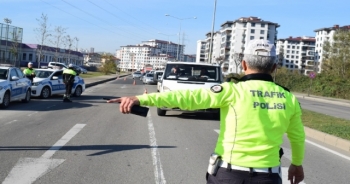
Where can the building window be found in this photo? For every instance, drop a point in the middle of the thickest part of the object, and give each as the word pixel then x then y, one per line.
pixel 30 57
pixel 24 57
pixel 252 31
pixel 262 31
pixel 261 38
pixel 251 37
pixel 293 47
pixel 262 25
pixel 253 24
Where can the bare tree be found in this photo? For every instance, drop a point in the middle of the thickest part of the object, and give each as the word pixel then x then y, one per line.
pixel 58 39
pixel 68 43
pixel 43 33
pixel 16 39
pixel 237 59
pixel 220 60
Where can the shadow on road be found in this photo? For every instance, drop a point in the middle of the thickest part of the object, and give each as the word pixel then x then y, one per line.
pixel 195 116
pixel 101 149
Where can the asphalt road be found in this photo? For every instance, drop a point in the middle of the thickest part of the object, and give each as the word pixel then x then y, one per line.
pixel 335 110
pixel 90 141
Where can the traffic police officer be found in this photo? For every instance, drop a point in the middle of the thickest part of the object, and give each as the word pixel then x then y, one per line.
pixel 29 72
pixel 255 114
pixel 68 79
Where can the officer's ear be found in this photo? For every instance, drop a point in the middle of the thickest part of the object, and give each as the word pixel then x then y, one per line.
pixel 244 65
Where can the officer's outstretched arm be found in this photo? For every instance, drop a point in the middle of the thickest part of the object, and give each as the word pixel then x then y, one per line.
pixel 215 97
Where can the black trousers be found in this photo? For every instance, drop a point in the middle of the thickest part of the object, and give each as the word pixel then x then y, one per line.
pixel 225 176
pixel 69 87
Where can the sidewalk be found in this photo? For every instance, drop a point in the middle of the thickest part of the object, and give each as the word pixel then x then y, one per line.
pixel 323 99
pixel 315 134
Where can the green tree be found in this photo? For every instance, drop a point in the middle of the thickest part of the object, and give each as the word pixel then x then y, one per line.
pixel 336 55
pixel 109 66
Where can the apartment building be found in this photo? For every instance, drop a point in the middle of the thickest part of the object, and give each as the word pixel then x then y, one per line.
pixel 322 35
pixel 200 53
pixel 233 37
pixel 297 54
pixel 152 52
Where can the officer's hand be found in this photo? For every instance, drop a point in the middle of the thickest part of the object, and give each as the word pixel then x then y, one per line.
pixel 125 103
pixel 295 174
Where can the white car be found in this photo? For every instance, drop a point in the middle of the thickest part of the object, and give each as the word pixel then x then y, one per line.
pixel 48 82
pixel 13 86
pixel 148 78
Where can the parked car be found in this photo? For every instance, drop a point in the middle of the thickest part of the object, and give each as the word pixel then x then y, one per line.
pixel 136 74
pixel 148 79
pixel 57 65
pixel 82 70
pixel 142 75
pixel 49 82
pixel 13 86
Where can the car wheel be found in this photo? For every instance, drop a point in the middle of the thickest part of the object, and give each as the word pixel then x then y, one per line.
pixel 6 100
pixel 27 98
pixel 161 112
pixel 45 92
pixel 78 91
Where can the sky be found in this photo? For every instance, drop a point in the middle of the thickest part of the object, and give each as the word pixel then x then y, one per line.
pixel 106 25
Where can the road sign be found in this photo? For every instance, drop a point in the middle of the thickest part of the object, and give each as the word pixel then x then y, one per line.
pixel 312 75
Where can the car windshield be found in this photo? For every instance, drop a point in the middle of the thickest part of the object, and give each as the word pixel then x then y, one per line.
pixel 137 73
pixel 3 74
pixel 42 74
pixel 188 72
pixel 149 75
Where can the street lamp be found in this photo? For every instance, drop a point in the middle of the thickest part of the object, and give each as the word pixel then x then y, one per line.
pixel 167 46
pixel 212 34
pixel 181 19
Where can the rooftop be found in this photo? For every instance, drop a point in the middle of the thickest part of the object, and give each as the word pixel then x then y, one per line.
pixel 335 27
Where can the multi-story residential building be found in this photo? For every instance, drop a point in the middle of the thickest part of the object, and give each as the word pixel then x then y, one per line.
pixel 215 54
pixel 200 53
pixel 152 52
pixel 297 53
pixel 189 58
pixel 322 35
pixel 169 48
pixel 233 37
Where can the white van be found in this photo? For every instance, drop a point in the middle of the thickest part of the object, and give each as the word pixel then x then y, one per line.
pixel 188 75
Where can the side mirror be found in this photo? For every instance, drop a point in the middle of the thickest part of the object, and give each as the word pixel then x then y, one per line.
pixel 14 78
pixel 54 78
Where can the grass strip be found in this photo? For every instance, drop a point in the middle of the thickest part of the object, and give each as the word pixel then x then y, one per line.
pixel 327 124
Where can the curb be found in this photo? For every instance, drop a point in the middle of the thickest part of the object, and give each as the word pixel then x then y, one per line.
pixel 328 139
pixel 323 100
pixel 102 81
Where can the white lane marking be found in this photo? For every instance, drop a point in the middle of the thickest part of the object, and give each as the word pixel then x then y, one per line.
pixel 123 86
pixel 10 122
pixel 329 150
pixel 284 170
pixel 28 170
pixel 60 143
pixel 33 113
pixel 158 171
pixel 50 106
